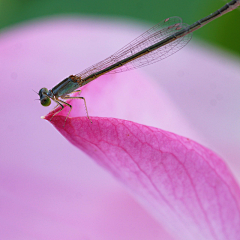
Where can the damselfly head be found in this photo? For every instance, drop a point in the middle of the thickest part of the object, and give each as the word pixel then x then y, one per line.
pixel 44 99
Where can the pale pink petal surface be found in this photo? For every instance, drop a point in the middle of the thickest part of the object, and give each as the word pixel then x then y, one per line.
pixel 49 189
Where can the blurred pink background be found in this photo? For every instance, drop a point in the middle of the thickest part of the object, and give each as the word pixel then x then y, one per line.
pixel 51 190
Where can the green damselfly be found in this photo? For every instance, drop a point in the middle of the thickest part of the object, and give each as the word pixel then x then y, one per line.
pixel 159 42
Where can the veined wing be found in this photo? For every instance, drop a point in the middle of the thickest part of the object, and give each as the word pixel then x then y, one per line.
pixel 154 35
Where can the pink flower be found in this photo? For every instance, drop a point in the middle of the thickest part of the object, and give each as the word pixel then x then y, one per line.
pixel 51 191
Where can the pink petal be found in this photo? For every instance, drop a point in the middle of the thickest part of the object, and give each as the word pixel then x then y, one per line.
pixel 188 187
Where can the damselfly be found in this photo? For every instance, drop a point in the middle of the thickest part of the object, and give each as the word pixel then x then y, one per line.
pixel 159 42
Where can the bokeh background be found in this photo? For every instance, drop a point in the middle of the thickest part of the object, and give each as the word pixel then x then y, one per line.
pixel 50 189
pixel 222 32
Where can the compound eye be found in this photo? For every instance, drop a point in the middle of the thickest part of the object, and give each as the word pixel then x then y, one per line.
pixel 46 102
pixel 42 91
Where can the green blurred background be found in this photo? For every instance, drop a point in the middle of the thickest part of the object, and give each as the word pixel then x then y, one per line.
pixel 223 32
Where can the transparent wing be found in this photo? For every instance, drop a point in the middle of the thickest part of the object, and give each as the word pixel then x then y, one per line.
pixel 154 35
